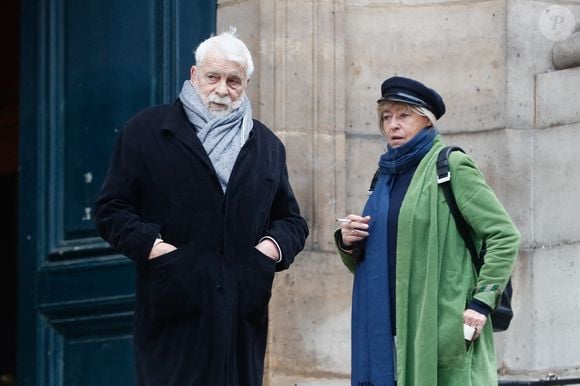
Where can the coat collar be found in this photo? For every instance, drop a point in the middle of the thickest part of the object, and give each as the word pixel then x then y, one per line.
pixel 177 124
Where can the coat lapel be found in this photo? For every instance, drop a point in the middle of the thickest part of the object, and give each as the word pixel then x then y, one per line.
pixel 178 125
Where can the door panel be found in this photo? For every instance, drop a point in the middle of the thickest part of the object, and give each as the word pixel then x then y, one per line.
pixel 87 67
pixel 114 72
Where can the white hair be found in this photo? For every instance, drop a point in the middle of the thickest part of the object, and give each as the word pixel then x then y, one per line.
pixel 230 46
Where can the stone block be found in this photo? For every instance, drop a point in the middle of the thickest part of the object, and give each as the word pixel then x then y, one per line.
pixel 529 52
pixel 362 160
pixel 556 308
pixel 514 353
pixel 328 188
pixel 556 202
pixel 310 317
pixel 456 48
pixel 308 66
pixel 298 76
pixel 558 97
pixel 566 54
pixel 299 159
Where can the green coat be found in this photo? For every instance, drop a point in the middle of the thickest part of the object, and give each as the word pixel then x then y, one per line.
pixel 435 278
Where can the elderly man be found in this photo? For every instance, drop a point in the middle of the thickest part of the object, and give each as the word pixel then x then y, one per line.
pixel 197 195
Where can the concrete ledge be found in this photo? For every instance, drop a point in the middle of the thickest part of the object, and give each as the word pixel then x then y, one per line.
pixel 566 54
pixel 557 96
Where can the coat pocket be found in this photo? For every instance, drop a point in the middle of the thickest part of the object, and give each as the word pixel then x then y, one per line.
pixel 257 283
pixel 173 285
pixel 451 305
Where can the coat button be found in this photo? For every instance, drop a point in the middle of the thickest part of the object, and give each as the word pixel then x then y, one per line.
pixel 218 287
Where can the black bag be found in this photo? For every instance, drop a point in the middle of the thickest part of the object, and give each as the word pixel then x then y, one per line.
pixel 503 314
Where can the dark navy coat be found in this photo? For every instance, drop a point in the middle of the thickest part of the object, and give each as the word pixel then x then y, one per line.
pixel 201 314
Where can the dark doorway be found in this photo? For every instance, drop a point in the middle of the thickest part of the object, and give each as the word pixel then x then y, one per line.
pixel 87 67
pixel 9 99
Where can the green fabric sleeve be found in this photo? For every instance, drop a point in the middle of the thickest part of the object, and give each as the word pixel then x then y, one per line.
pixel 490 223
pixel 347 259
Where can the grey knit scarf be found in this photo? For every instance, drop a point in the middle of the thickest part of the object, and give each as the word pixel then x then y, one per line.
pixel 222 138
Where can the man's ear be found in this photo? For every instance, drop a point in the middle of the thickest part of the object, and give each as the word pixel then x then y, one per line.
pixel 192 73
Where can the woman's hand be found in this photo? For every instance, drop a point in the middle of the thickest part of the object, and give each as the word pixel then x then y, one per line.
pixel 474 319
pixel 354 230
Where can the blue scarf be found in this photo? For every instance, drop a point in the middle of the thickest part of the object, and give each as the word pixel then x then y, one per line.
pixel 372 340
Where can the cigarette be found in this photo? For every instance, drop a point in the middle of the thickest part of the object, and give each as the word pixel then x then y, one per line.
pixel 346 220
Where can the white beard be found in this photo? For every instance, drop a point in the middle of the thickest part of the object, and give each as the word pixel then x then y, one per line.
pixel 220 112
pixel 213 97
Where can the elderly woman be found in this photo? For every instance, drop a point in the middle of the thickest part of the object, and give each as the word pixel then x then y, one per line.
pixel 415 285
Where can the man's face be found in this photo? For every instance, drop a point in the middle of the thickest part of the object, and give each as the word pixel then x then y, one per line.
pixel 220 84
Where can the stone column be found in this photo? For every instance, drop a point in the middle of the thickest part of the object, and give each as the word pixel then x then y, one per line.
pixel 302 98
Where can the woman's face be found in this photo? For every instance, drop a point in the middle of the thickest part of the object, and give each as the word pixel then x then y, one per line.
pixel 400 123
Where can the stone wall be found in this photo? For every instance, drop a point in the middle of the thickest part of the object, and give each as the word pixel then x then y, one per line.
pixel 319 64
pixel 542 112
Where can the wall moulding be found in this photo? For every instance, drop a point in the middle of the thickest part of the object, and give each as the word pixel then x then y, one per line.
pixel 302 86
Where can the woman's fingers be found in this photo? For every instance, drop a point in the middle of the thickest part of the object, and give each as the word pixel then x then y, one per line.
pixel 474 319
pixel 355 229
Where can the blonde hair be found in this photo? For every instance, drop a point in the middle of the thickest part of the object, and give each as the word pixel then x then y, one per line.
pixel 422 111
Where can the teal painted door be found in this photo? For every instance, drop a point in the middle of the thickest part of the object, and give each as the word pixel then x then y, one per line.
pixel 87 66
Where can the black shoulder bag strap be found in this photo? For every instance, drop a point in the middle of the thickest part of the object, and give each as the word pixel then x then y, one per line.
pixel 444 179
pixel 503 314
pixel 374 181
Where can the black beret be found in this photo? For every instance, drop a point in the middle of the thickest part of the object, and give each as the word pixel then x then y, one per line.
pixel 400 89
